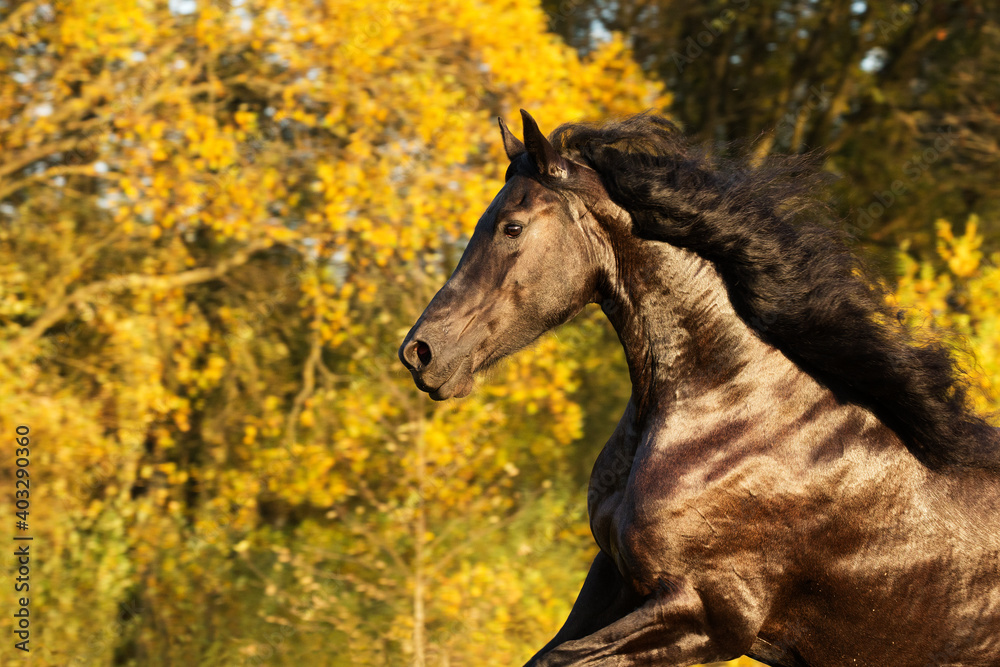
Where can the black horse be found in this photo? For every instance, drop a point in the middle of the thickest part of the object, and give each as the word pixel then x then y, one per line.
pixel 796 477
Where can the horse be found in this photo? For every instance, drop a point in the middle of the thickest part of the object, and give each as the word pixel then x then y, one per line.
pixel 797 475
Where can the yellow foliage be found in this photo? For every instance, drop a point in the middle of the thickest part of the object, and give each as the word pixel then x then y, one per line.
pixel 962 299
pixel 218 220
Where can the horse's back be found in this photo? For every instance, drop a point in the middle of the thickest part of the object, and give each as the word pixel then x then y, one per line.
pixel 848 548
pixel 909 573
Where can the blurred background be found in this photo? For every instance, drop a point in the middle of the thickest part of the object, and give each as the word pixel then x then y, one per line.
pixel 218 220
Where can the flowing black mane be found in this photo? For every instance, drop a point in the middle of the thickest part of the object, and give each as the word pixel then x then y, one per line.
pixel 790 275
pixel 834 522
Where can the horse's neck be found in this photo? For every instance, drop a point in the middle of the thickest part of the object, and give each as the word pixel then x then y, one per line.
pixel 679 330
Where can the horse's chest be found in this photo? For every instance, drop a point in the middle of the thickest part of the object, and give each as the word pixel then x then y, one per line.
pixel 605 496
pixel 656 514
pixel 657 541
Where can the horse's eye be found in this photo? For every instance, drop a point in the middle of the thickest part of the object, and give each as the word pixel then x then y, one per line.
pixel 512 230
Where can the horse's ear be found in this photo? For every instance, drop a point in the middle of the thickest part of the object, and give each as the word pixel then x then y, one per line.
pixel 547 160
pixel 511 144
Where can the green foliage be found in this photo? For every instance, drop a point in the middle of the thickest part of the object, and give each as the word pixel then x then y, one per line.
pixel 890 91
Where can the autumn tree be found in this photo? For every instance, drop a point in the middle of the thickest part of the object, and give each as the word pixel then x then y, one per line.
pixel 218 220
pixel 891 91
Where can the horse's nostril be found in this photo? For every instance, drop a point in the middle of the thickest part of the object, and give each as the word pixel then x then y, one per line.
pixel 423 352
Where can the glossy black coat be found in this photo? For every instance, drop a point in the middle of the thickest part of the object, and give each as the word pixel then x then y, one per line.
pixel 754 498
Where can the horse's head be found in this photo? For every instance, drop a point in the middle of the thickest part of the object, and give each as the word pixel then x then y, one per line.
pixel 535 259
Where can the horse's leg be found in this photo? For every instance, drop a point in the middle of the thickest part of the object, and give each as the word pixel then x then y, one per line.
pixel 671 629
pixel 604 598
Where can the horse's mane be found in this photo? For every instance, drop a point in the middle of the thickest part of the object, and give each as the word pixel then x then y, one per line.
pixel 790 276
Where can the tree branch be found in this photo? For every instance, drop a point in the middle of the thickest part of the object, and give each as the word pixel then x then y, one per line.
pixel 51 172
pixel 132 281
pixel 308 386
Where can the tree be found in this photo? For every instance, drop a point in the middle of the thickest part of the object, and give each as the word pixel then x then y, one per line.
pixel 960 301
pixel 218 221
pixel 896 91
